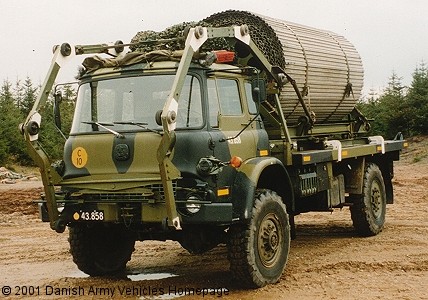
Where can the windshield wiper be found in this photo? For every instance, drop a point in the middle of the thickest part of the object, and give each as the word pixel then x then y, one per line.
pixel 139 124
pixel 104 126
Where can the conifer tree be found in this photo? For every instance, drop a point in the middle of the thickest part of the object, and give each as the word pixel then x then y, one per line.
pixel 418 100
pixel 12 145
pixel 29 96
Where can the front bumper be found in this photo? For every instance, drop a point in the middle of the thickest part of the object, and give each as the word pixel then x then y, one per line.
pixel 139 213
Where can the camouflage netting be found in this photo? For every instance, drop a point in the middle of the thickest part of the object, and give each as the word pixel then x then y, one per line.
pixel 174 39
pixel 261 33
pixel 145 38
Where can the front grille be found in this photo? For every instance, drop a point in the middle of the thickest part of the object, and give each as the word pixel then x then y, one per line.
pixel 118 197
pixel 150 193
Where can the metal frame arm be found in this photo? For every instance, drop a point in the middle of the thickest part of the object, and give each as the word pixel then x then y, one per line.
pixel 195 39
pixel 30 130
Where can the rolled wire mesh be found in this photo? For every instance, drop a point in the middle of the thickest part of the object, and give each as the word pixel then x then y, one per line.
pixel 327 68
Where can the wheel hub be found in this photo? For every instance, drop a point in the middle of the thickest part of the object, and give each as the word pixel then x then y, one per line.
pixel 376 199
pixel 269 240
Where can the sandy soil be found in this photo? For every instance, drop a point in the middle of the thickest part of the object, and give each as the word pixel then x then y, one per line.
pixel 327 260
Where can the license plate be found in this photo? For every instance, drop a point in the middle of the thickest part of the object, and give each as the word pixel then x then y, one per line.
pixel 89 215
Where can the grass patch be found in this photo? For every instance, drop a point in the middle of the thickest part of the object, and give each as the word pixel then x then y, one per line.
pixel 416 159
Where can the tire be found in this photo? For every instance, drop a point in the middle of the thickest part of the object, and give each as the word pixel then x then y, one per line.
pixel 258 251
pixel 100 250
pixel 368 210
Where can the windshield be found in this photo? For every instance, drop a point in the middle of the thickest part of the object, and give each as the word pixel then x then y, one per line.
pixel 131 103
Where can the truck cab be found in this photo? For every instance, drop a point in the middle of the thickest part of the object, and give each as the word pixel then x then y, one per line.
pixel 109 155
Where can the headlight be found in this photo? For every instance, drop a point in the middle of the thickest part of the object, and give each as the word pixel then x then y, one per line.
pixel 191 206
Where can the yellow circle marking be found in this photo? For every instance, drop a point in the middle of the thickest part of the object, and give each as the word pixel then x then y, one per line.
pixel 79 157
pixel 76 216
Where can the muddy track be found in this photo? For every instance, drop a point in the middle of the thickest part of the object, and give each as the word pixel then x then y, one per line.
pixel 327 260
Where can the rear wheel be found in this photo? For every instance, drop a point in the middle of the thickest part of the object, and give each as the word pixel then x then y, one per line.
pixel 101 250
pixel 258 251
pixel 369 209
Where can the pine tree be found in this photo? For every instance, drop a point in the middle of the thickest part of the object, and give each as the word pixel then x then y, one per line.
pixel 12 145
pixel 29 96
pixel 370 108
pixel 418 100
pixel 389 111
pixel 6 103
pixel 394 107
pixel 18 93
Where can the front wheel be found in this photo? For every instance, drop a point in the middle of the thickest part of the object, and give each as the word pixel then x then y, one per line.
pixel 369 209
pixel 258 251
pixel 100 250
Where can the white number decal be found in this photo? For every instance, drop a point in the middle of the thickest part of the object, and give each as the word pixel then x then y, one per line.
pixel 92 216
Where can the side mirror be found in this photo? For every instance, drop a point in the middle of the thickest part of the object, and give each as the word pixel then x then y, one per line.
pixel 56 109
pixel 258 87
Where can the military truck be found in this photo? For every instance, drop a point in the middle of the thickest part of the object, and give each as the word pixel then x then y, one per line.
pixel 207 145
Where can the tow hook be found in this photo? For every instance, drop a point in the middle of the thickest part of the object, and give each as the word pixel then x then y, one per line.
pixel 59 226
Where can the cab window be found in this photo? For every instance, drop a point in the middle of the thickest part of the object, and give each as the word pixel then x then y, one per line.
pixel 252 109
pixel 223 99
pixel 130 103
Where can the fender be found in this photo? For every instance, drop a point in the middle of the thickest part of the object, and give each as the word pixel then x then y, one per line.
pixel 260 172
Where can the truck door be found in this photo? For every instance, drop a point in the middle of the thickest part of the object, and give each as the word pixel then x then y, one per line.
pixel 227 118
pixel 230 109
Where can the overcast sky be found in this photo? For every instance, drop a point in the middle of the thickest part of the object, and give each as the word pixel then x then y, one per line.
pixel 390 35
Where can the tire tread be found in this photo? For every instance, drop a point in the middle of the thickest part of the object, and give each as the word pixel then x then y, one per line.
pixel 360 211
pixel 242 263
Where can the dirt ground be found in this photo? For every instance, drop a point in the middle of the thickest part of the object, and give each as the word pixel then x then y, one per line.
pixel 327 260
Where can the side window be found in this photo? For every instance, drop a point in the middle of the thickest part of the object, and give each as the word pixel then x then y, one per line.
pixel 223 98
pixel 252 109
pixel 228 94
